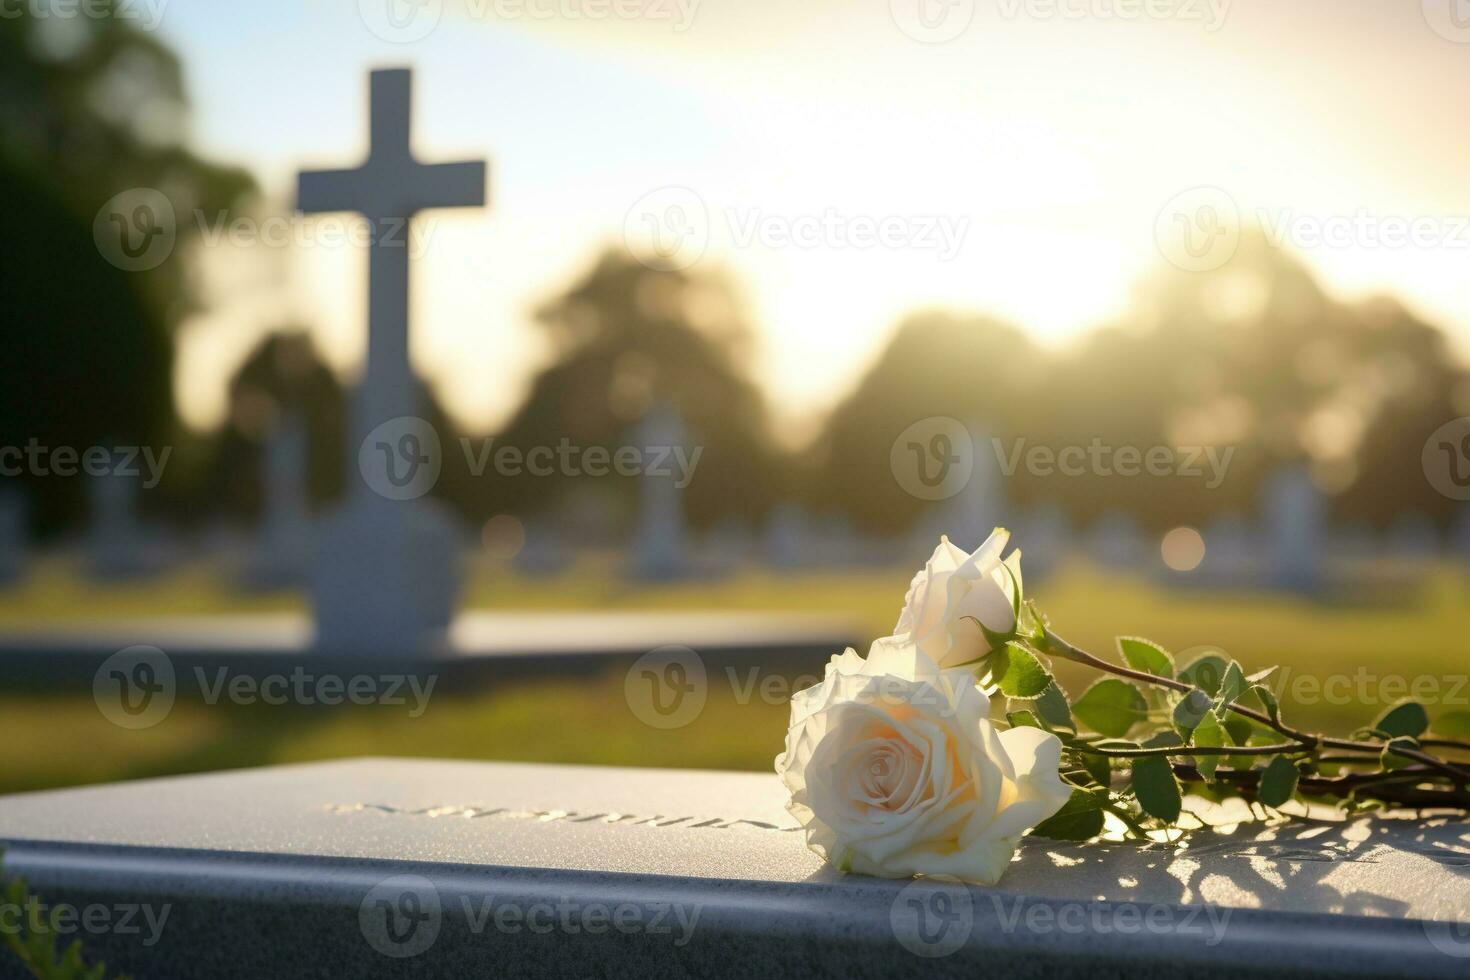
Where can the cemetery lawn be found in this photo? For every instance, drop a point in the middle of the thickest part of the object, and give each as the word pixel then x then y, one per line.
pixel 1342 664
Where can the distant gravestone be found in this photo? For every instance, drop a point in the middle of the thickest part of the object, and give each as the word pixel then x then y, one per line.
pixel 387 578
pixel 1460 534
pixel 545 551
pixel 1354 543
pixel 1413 538
pixel 970 515
pixel 118 546
pixel 1045 536
pixel 14 532
pixel 659 547
pixel 1295 525
pixel 727 547
pixel 1232 554
pixel 1116 541
pixel 284 538
pixel 786 537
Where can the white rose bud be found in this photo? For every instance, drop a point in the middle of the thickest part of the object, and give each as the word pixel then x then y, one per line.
pixel 895 770
pixel 954 593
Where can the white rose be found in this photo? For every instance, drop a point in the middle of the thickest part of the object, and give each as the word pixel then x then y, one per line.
pixel 895 770
pixel 954 592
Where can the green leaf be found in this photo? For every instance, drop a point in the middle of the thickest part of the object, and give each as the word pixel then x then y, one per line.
pixel 1210 734
pixel 1456 724
pixel 1162 738
pixel 1190 711
pixel 1157 789
pixel 1205 672
pixel 1268 701
pixel 1055 713
pixel 1259 677
pixel 1111 707
pixel 1098 768
pixel 1023 719
pixel 1392 759
pixel 1232 685
pixel 1240 727
pixel 1080 818
pixel 1019 673
pixel 1146 655
pixel 1278 782
pixel 1405 718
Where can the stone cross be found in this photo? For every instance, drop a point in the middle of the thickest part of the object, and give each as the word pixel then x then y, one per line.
pixel 388 190
pixel 385 582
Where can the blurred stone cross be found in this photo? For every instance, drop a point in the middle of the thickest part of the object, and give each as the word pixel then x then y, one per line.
pixel 386 581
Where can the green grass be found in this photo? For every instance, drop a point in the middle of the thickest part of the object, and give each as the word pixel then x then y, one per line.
pixel 61 739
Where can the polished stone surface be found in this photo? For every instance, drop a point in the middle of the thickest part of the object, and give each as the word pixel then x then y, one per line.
pixel 320 857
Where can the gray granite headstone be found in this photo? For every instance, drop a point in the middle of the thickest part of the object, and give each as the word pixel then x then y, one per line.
pixel 378 867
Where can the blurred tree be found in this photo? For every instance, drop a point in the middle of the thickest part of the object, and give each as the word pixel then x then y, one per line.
pixel 625 339
pixel 90 107
pixel 283 377
pixel 984 373
pixel 1254 359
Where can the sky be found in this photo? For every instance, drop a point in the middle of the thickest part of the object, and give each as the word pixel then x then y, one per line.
pixel 844 163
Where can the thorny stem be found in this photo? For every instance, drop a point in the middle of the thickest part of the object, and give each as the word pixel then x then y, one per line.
pixel 1307 741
